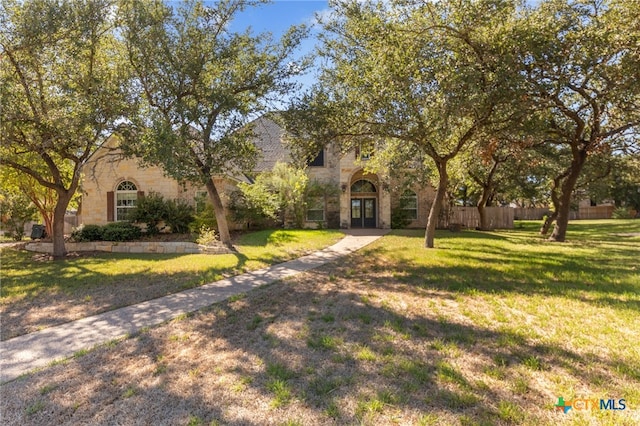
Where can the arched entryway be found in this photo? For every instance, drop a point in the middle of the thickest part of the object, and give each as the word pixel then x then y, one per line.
pixel 364 203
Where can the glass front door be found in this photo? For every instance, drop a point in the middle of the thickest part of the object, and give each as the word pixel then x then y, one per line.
pixel 363 212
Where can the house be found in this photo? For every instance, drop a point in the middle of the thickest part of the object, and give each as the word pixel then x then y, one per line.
pixel 112 185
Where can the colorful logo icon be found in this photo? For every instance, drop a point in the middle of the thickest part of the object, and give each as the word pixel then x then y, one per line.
pixel 563 406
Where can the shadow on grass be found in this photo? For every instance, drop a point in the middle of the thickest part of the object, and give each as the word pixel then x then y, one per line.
pixel 317 353
pixel 44 294
pixel 605 269
pixel 318 350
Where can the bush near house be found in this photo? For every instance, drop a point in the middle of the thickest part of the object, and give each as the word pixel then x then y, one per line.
pixel 154 210
pixel 120 231
pixel 116 231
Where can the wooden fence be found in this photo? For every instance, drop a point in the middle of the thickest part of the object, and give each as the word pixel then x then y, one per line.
pixel 530 213
pixel 595 212
pixel 499 217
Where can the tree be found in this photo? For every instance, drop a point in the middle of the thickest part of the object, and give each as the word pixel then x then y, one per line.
pixel 62 90
pixel 280 192
pixel 416 79
pixel 617 180
pixel 16 210
pixel 200 86
pixel 582 64
pixel 43 198
pixel 483 166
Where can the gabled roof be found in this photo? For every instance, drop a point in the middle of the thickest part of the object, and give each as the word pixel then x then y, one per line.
pixel 269 139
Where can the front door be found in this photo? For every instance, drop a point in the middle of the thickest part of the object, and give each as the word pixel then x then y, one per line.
pixel 363 212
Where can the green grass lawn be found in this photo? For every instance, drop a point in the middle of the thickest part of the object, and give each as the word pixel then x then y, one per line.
pixel 488 328
pixel 22 277
pixel 519 321
pixel 86 285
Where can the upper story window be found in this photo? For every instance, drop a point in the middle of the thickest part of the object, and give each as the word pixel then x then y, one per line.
pixel 126 199
pixel 409 203
pixel 363 186
pixel 318 161
pixel 364 152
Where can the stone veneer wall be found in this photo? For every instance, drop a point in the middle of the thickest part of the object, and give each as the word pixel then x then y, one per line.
pixel 133 247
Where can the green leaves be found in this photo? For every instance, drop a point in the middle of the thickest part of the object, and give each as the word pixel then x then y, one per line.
pixel 202 83
pixel 64 90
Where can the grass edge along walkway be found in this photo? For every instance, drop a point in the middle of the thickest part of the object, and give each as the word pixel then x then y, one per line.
pixel 25 353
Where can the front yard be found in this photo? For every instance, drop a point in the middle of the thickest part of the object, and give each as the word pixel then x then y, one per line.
pixel 488 328
pixel 36 295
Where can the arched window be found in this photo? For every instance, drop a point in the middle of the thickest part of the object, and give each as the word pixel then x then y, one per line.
pixel 409 203
pixel 126 199
pixel 362 186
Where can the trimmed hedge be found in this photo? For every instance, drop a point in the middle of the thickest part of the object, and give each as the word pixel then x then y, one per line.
pixel 120 231
pixel 116 231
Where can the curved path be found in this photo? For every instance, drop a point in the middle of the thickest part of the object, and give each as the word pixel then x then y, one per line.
pixel 36 350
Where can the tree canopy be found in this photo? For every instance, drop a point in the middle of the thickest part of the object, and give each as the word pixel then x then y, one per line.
pixel 200 84
pixel 581 63
pixel 63 90
pixel 417 79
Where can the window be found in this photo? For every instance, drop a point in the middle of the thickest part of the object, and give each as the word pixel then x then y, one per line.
pixel 363 186
pixel 318 161
pixel 315 210
pixel 126 199
pixel 200 199
pixel 409 204
pixel 363 152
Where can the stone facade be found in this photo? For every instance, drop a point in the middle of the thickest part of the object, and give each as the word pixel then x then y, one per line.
pixel 345 207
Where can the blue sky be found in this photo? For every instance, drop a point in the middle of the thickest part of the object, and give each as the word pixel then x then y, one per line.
pixel 277 17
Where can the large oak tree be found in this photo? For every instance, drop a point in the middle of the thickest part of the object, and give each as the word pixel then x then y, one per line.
pixel 417 79
pixel 62 89
pixel 581 60
pixel 200 85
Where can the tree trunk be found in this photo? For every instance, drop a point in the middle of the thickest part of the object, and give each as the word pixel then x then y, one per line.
pixel 48 222
pixel 59 249
pixel 437 204
pixel 544 229
pixel 482 213
pixel 482 204
pixel 560 230
pixel 218 209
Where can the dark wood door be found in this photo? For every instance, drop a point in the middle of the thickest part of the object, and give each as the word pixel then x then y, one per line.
pixel 363 213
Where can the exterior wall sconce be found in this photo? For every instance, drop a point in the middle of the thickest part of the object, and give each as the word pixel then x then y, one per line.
pixel 343 187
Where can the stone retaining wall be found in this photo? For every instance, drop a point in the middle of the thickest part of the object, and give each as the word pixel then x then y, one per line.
pixel 132 247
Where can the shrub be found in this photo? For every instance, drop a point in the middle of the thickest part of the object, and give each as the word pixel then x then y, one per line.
pixel 150 210
pixel 206 236
pixel 622 213
pixel 399 218
pixel 204 219
pixel 179 215
pixel 242 211
pixel 87 233
pixel 120 231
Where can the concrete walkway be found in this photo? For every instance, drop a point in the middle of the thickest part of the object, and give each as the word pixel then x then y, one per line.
pixel 35 350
